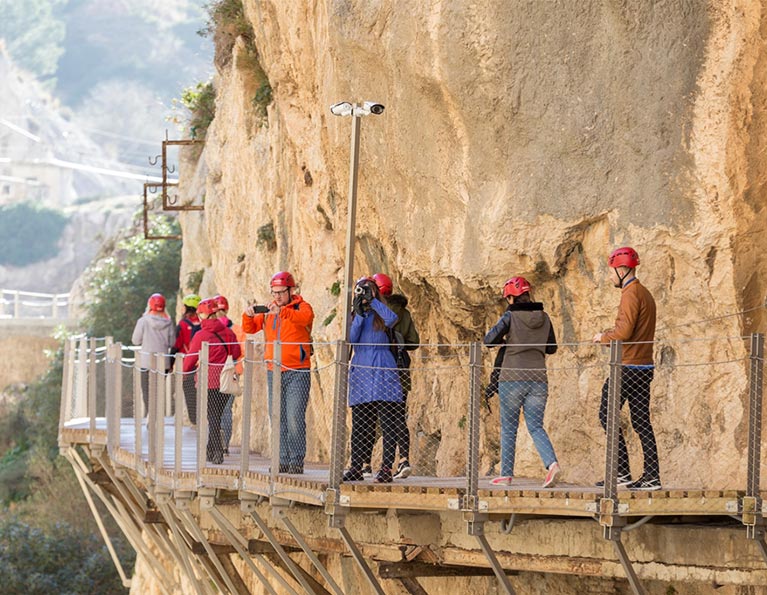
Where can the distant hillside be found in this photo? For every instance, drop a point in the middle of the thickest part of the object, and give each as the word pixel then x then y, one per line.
pixel 116 65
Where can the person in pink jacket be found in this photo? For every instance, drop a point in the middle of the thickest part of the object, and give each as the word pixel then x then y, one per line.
pixel 222 342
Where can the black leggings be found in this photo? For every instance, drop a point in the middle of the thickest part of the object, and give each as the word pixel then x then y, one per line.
pixel 364 418
pixel 635 388
pixel 216 403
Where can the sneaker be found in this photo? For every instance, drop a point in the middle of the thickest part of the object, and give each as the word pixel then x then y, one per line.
pixel 383 475
pixel 503 480
pixel 552 475
pixel 367 470
pixel 623 481
pixel 353 474
pixel 643 484
pixel 403 470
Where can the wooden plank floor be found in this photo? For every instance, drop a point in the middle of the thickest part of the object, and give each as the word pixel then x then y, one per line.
pixel 524 496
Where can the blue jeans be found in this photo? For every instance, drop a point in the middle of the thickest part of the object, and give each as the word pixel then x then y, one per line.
pixel 226 422
pixel 514 396
pixel 294 400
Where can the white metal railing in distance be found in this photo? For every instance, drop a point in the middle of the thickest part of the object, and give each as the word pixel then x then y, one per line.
pixel 29 304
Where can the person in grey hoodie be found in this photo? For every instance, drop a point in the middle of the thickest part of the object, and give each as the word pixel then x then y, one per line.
pixel 526 331
pixel 154 333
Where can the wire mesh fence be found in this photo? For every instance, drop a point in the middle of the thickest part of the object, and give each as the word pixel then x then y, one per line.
pixel 412 424
pixel 539 425
pixel 406 420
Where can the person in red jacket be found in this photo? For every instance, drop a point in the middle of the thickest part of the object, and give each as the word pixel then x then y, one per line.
pixel 222 342
pixel 289 320
pixel 185 330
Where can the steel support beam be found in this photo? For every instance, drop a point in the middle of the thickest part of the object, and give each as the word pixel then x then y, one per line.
pixel 81 479
pixel 130 525
pixel 357 555
pixel 241 545
pixel 287 560
pixel 194 530
pixel 280 512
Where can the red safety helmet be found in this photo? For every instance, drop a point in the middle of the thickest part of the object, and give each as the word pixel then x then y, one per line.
pixel 207 306
pixel 282 279
pixel 515 286
pixel 156 302
pixel 623 257
pixel 384 283
pixel 222 302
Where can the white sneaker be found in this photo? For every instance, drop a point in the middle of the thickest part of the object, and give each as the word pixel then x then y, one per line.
pixel 403 470
pixel 552 475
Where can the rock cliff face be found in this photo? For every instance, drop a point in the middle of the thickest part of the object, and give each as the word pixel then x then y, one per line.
pixel 518 139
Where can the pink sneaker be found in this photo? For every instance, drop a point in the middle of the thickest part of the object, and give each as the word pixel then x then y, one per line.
pixel 552 475
pixel 503 480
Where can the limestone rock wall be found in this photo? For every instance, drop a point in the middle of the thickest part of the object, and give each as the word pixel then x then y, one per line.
pixel 518 139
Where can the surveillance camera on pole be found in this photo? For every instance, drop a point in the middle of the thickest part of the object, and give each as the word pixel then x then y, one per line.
pixel 344 108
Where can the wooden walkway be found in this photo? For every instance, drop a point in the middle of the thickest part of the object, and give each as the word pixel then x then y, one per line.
pixel 524 496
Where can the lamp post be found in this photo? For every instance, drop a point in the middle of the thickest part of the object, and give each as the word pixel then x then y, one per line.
pixel 356 111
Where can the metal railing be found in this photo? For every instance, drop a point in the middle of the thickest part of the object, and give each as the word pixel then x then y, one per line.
pixel 28 304
pixel 705 397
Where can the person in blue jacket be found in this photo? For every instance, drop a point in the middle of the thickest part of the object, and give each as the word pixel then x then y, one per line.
pixel 374 384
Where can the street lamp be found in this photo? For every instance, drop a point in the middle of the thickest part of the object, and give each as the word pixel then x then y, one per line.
pixel 357 111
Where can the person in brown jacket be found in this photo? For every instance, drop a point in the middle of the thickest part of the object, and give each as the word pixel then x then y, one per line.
pixel 635 326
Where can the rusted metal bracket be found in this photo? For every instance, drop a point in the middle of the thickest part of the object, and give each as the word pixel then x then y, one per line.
pixel 148 186
pixel 169 204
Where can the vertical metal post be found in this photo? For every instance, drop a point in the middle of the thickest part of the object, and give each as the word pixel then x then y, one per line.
pixel 751 504
pixel 110 401
pixel 613 420
pixel 151 415
pixel 92 390
pixel 247 404
pixel 276 408
pixel 79 401
pixel 202 412
pixel 338 430
pixel 66 388
pixel 756 383
pixel 351 225
pixel 178 419
pixel 159 414
pixel 138 408
pixel 472 456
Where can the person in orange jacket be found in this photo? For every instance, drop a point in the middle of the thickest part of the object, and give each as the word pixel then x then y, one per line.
pixel 289 320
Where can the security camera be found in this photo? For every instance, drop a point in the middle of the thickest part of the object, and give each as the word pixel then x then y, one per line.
pixel 343 108
pixel 373 108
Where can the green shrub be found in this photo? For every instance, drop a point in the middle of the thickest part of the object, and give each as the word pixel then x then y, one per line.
pixel 29 233
pixel 59 559
pixel 229 14
pixel 120 285
pixel 200 100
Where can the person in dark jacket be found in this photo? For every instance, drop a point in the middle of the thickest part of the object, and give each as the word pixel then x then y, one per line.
pixel 222 342
pixel 528 335
pixel 375 393
pixel 185 330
